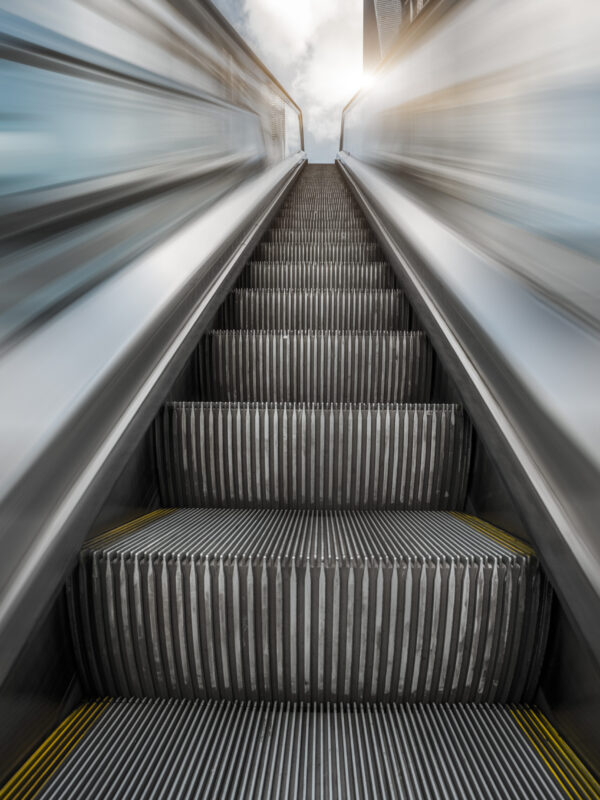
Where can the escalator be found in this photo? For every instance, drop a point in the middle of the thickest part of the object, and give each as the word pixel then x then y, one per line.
pixel 311 612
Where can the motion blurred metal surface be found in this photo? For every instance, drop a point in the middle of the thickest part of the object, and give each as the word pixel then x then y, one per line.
pixel 120 120
pixel 493 114
pixel 118 93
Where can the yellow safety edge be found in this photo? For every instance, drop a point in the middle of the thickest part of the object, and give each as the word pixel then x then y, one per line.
pixel 29 780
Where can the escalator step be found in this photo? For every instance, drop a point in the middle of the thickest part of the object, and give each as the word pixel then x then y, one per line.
pixel 325 251
pixel 304 605
pixel 313 218
pixel 317 456
pixel 319 223
pixel 268 275
pixel 318 367
pixel 336 310
pixel 181 749
pixel 308 236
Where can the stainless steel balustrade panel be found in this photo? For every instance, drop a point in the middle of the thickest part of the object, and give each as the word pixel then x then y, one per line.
pixel 324 367
pixel 338 310
pixel 501 136
pixel 331 606
pixel 125 92
pixel 317 751
pixel 317 456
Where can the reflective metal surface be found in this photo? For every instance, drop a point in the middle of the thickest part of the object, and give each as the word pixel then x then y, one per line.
pixel 115 92
pixel 493 111
pixel 120 120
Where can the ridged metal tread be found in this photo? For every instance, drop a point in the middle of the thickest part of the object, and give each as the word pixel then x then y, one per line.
pixel 312 276
pixel 307 236
pixel 326 219
pixel 318 223
pixel 312 455
pixel 325 251
pixel 313 218
pixel 178 750
pixel 315 367
pixel 319 309
pixel 303 605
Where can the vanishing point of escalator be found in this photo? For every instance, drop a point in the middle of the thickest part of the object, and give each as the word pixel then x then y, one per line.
pixel 311 614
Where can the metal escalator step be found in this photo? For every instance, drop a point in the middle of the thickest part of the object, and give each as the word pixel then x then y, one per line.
pixel 323 219
pixel 269 275
pixel 319 309
pixel 177 750
pixel 287 251
pixel 304 605
pixel 319 223
pixel 316 367
pixel 312 456
pixel 310 235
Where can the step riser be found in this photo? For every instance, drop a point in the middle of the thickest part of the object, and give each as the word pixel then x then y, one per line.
pixel 239 629
pixel 315 219
pixel 266 310
pixel 317 252
pixel 395 457
pixel 329 368
pixel 318 224
pixel 261 275
pixel 302 236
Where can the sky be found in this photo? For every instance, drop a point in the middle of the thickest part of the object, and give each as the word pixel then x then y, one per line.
pixel 314 49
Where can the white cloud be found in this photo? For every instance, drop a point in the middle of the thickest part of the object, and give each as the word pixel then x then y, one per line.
pixel 314 47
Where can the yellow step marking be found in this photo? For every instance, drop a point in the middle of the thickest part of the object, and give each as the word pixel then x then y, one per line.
pixel 576 781
pixel 128 527
pixel 29 780
pixel 501 537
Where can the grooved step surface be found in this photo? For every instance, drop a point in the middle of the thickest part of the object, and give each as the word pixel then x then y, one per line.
pixel 177 750
pixel 336 310
pixel 269 604
pixel 320 223
pixel 317 456
pixel 327 367
pixel 309 251
pixel 313 218
pixel 268 275
pixel 330 235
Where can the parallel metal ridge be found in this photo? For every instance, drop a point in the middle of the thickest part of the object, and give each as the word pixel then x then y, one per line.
pixel 332 606
pixel 286 251
pixel 312 456
pixel 336 310
pixel 312 217
pixel 322 367
pixel 170 750
pixel 270 275
pixel 320 223
pixel 330 235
